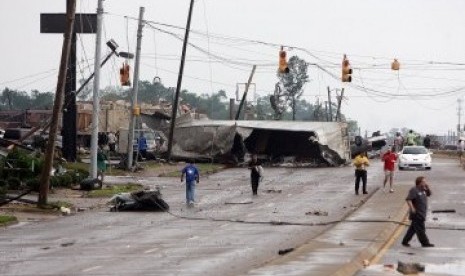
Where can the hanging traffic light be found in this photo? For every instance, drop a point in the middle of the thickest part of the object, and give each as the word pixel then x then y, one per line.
pixel 395 65
pixel 124 75
pixel 283 69
pixel 346 70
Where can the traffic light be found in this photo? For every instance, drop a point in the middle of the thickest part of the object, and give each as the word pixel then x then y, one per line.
pixel 395 65
pixel 283 69
pixel 346 70
pixel 124 75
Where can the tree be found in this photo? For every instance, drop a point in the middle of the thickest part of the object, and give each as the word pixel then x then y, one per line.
pixel 294 81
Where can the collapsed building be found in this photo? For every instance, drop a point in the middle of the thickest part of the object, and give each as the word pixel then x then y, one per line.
pixel 230 141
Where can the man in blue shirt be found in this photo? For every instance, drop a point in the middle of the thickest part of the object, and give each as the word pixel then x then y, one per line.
pixel 142 145
pixel 192 176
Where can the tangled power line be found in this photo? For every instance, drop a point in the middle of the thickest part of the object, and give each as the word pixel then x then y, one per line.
pixel 371 73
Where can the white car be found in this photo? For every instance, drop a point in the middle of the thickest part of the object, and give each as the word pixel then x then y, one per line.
pixel 417 157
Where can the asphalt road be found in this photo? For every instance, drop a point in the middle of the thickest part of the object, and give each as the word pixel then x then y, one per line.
pixel 229 232
pixel 444 229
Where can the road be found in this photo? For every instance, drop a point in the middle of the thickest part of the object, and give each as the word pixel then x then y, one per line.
pixel 444 229
pixel 228 232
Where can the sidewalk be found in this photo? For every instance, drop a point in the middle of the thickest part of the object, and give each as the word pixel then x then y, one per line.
pixel 343 249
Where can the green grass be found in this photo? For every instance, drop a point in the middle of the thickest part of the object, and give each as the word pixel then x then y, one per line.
pixel 116 189
pixel 204 168
pixel 6 219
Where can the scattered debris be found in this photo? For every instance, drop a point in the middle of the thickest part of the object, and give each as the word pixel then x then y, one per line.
pixel 390 266
pixel 66 244
pixel 239 202
pixel 273 191
pixel 410 268
pixel 89 184
pixel 366 263
pixel 444 211
pixel 139 201
pixel 317 213
pixel 65 211
pixel 285 251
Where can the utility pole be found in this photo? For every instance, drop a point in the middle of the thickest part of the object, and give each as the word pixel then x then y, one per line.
pixel 459 114
pixel 244 96
pixel 326 111
pixel 56 24
pixel 96 98
pixel 65 53
pixel 330 105
pixel 135 109
pixel 339 101
pixel 178 86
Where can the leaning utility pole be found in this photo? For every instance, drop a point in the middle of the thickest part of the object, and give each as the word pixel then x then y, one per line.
pixel 45 174
pixel 178 86
pixel 135 109
pixel 339 101
pixel 244 96
pixel 96 99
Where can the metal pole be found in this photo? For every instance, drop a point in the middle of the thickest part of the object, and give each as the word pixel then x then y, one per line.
pixel 96 99
pixel 178 86
pixel 45 174
pixel 135 89
pixel 244 96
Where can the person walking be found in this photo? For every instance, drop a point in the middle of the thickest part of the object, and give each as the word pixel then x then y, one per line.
pixel 254 167
pixel 417 200
pixel 101 163
pixel 360 163
pixel 398 142
pixel 460 151
pixel 192 176
pixel 411 137
pixel 427 141
pixel 112 141
pixel 389 158
pixel 142 145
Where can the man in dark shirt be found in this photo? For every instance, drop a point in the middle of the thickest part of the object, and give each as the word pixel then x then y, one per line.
pixel 254 165
pixel 417 201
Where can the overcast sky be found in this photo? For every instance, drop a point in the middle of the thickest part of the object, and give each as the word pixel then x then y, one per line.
pixel 426 36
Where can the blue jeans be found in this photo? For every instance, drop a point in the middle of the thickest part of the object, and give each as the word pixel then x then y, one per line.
pixel 190 191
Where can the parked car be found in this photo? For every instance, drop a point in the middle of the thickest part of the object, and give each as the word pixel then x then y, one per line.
pixel 417 157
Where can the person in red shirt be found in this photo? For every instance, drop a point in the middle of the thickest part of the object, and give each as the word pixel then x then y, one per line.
pixel 389 158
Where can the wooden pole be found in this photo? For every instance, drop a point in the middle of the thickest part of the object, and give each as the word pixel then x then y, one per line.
pixel 245 92
pixel 50 151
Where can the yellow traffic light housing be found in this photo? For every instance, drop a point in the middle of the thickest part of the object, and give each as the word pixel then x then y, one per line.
pixel 283 69
pixel 346 70
pixel 124 75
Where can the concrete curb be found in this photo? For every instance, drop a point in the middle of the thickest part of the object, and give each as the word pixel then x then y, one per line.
pixel 375 247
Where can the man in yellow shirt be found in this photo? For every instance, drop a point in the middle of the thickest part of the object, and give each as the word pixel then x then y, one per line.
pixel 361 162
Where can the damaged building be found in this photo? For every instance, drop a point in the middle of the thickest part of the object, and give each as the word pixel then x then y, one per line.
pixel 230 141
